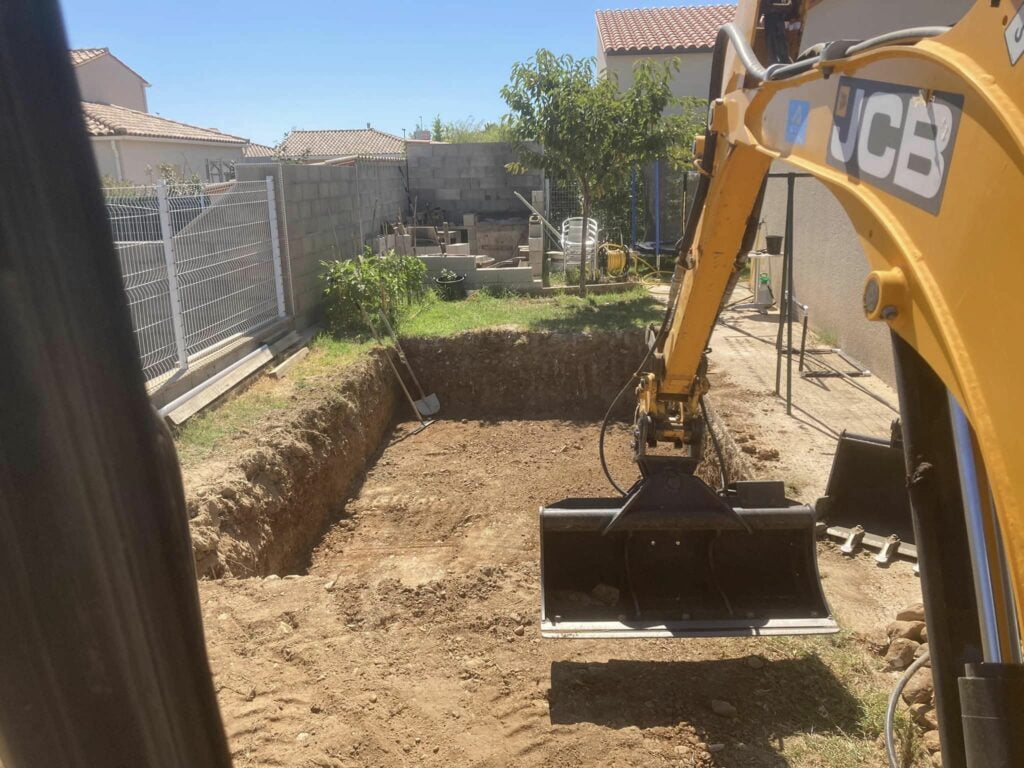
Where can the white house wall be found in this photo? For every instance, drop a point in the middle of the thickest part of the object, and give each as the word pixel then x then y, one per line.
pixel 107 81
pixel 846 20
pixel 690 80
pixel 140 158
pixel 106 162
pixel 830 265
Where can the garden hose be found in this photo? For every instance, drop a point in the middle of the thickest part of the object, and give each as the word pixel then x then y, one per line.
pixel 890 712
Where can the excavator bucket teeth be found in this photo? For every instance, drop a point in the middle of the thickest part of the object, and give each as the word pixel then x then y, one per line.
pixel 867 487
pixel 679 562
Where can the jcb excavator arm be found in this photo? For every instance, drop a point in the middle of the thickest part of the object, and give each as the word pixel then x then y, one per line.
pixel 919 134
pixel 923 145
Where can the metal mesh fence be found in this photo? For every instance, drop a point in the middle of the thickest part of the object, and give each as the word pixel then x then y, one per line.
pixel 200 265
pixel 649 206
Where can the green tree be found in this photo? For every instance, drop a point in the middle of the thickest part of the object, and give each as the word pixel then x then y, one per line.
pixel 437 132
pixel 566 120
pixel 467 131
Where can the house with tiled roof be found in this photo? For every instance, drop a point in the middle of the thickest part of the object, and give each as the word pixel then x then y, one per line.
pixel 258 152
pixel 684 34
pixel 129 143
pixel 325 146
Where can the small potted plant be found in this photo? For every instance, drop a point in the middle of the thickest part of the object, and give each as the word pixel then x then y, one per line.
pixel 450 285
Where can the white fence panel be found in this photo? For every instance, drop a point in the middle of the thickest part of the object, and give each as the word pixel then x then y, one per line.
pixel 200 264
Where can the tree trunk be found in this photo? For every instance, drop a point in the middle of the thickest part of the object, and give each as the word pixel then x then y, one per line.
pixel 583 244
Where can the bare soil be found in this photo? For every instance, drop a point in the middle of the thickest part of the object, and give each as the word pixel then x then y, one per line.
pixel 265 501
pixel 399 625
pixel 413 638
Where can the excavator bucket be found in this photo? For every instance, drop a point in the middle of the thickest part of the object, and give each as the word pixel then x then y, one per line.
pixel 867 487
pixel 675 559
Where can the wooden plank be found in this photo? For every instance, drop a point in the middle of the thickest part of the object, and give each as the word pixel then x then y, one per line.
pixel 195 404
pixel 281 370
pixel 285 343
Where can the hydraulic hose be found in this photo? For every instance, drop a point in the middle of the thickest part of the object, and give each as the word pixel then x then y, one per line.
pixel 911 35
pixel 608 416
pixel 756 72
pixel 722 471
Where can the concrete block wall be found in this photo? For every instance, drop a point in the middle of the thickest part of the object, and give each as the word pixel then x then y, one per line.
pixel 501 238
pixel 469 178
pixel 325 213
pixel 512 278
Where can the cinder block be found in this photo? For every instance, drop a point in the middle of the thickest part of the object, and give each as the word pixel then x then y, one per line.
pixel 460 264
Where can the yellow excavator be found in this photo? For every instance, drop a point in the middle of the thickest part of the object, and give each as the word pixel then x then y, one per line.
pixel 919 134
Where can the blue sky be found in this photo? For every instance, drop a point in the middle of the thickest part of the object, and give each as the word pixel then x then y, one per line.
pixel 258 69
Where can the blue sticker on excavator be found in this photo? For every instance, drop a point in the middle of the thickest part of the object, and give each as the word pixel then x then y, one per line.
pixel 796 121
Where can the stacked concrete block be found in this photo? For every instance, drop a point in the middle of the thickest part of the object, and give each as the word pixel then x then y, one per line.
pixel 469 222
pixel 326 213
pixel 469 178
pixel 501 238
pixel 510 278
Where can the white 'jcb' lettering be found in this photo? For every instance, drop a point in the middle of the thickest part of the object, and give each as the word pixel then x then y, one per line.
pixel 882 105
pixel 925 137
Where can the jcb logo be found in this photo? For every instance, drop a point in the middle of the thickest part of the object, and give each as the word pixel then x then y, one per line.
pixel 895 137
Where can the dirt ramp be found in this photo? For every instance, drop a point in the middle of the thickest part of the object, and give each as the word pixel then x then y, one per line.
pixel 527 375
pixel 267 508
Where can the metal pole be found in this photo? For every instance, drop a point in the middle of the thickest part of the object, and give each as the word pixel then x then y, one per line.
pixel 790 186
pixel 275 246
pixel 783 309
pixel 657 213
pixel 554 232
pixel 986 565
pixel 632 208
pixel 803 338
pixel 172 275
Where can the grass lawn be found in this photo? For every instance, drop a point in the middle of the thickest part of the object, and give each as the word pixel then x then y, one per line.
pixel 606 312
pixel 240 415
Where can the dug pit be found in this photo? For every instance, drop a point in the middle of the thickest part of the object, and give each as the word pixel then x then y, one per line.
pixel 263 511
pixel 395 620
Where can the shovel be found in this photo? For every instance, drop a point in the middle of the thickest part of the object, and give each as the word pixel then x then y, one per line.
pixel 427 405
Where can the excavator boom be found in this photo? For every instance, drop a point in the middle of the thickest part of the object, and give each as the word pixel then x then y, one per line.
pixel 919 134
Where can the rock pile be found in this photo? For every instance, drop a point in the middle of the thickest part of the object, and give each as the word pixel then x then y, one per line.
pixel 905 640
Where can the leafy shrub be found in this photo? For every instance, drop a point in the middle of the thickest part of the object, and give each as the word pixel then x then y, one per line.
pixel 361 287
pixel 497 291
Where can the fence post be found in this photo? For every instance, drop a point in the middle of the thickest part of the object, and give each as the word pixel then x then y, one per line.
pixel 657 212
pixel 172 274
pixel 275 244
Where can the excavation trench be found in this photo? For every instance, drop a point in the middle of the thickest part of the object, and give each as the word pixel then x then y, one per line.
pixel 404 628
pixel 267 510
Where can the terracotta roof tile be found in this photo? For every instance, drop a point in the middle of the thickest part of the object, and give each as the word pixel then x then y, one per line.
pixel 257 150
pixel 341 143
pixel 662 30
pixel 112 120
pixel 82 55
